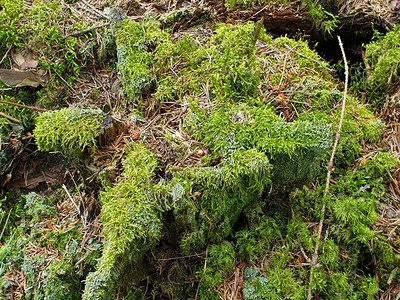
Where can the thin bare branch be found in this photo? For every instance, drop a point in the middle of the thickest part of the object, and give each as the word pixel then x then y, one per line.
pixel 87 30
pixel 314 258
pixel 23 106
pixel 14 120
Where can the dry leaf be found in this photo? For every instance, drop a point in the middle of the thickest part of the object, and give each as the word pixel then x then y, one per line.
pixel 16 78
pixel 25 59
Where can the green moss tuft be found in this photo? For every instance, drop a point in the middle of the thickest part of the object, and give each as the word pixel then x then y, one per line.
pixel 384 57
pixel 135 42
pixel 219 264
pixel 295 149
pixel 61 282
pixel 37 207
pixel 69 130
pixel 224 191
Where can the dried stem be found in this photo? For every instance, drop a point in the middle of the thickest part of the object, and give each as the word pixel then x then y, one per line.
pixel 87 30
pixel 14 120
pixel 23 106
pixel 314 258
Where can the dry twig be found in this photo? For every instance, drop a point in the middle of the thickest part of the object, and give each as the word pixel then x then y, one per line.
pixel 87 30
pixel 314 258
pixel 14 120
pixel 23 106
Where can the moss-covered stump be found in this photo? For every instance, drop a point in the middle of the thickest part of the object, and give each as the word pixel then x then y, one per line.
pixel 266 110
pixel 295 149
pixel 131 225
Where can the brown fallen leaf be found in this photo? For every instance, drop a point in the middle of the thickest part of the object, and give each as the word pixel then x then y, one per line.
pixel 25 59
pixel 16 78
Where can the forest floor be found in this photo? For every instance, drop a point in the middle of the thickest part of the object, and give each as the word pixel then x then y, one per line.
pixel 72 231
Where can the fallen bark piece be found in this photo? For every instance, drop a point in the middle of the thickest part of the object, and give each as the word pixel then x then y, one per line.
pixel 16 78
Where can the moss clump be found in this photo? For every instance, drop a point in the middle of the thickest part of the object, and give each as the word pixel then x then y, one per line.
pixel 61 282
pixel 384 57
pixel 220 263
pixel 131 223
pixel 263 233
pixel 349 221
pixel 295 149
pixel 68 130
pixel 36 207
pixel 37 28
pixel 134 47
pixel 208 200
pixel 360 126
pixel 26 116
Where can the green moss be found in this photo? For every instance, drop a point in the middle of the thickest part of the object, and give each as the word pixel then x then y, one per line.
pixel 51 96
pixel 131 223
pixel 71 130
pixel 37 207
pixel 37 27
pixel 276 282
pixel 297 147
pixel 383 55
pixel 9 17
pixel 134 43
pixel 220 263
pixel 26 116
pixel 360 126
pixel 224 191
pixel 61 282
pixel 262 236
pixel 349 221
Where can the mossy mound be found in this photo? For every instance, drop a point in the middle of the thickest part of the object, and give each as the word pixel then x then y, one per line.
pixel 131 224
pixel 263 129
pixel 226 175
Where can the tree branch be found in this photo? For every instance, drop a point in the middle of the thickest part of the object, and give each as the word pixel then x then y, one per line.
pixel 314 258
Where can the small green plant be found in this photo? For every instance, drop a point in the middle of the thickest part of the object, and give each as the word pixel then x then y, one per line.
pixel 36 207
pixel 68 130
pixel 26 116
pixel 325 22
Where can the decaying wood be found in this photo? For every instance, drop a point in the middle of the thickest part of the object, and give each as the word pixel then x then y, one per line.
pixel 361 16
